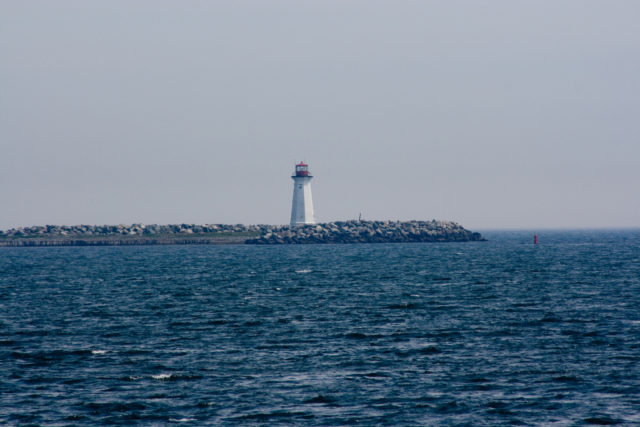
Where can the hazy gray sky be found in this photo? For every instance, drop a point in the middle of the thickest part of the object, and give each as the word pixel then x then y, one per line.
pixel 493 114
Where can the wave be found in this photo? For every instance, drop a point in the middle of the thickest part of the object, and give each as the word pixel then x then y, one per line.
pixel 175 377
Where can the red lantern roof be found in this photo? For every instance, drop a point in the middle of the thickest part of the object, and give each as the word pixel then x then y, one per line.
pixel 302 164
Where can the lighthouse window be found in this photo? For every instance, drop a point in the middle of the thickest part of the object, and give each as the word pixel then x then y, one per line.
pixel 299 186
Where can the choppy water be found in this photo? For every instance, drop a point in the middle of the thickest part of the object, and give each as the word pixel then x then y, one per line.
pixel 490 333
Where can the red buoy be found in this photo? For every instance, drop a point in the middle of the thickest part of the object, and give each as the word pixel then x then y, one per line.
pixel 535 239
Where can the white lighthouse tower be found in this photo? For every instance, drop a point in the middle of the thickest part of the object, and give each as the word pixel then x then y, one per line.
pixel 302 206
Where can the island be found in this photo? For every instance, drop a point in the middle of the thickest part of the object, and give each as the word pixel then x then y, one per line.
pixel 353 231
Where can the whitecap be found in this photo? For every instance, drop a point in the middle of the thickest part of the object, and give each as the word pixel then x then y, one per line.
pixel 99 351
pixel 161 376
pixel 303 271
pixel 181 420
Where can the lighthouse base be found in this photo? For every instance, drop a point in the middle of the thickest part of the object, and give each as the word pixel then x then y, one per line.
pixel 302 204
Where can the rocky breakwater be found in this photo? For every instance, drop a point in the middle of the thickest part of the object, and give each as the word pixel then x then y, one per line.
pixel 367 232
pixel 218 234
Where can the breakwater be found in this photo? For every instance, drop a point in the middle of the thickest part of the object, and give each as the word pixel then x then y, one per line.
pixel 332 232
pixel 369 232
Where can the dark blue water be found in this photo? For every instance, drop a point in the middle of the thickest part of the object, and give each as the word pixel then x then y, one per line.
pixel 494 333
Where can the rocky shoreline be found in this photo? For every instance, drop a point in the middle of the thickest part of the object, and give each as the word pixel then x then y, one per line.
pixel 218 234
pixel 127 235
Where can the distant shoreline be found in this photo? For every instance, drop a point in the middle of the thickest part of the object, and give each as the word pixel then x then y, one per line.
pixel 227 234
pixel 126 241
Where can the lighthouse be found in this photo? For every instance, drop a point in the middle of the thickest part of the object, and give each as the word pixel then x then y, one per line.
pixel 302 206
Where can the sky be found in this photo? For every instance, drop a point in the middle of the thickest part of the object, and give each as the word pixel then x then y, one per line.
pixel 494 114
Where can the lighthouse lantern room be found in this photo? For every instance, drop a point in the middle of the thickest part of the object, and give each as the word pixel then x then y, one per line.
pixel 302 205
pixel 302 169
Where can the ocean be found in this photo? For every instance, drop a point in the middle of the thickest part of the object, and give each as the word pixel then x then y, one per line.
pixel 501 332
